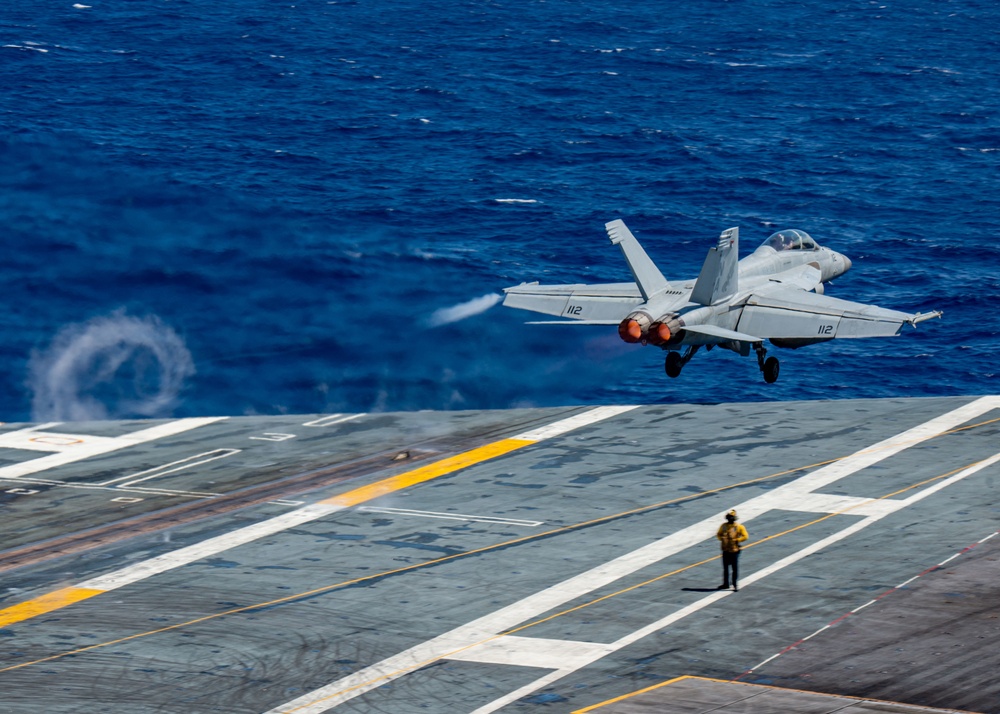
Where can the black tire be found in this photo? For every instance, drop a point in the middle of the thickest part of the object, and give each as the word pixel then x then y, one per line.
pixel 673 364
pixel 771 369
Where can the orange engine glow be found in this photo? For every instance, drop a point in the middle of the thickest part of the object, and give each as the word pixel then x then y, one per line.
pixel 630 330
pixel 664 330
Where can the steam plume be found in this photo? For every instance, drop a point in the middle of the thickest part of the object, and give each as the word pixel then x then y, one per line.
pixel 111 367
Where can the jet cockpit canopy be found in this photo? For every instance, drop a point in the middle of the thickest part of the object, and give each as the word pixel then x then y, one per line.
pixel 791 239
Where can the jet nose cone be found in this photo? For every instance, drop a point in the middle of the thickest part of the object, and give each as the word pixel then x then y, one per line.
pixel 847 263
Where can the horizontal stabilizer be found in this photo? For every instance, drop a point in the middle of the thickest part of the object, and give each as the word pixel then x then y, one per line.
pixel 604 304
pixel 647 276
pixel 722 333
pixel 573 322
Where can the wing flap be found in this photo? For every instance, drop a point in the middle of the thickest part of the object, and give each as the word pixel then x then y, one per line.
pixel 722 333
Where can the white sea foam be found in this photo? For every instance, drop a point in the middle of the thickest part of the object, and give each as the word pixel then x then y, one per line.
pixel 448 315
pixel 27 46
pixel 110 367
pixel 515 200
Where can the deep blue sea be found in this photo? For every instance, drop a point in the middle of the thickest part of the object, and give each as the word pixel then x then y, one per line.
pixel 256 207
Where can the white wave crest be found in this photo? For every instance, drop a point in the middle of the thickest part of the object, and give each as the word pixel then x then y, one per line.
pixel 110 367
pixel 447 315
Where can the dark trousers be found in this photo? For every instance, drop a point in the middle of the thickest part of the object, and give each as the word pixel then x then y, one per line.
pixel 730 561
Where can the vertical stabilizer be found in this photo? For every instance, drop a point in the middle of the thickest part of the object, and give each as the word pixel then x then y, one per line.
pixel 647 276
pixel 718 279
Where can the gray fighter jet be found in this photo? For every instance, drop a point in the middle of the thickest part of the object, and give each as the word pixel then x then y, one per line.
pixel 774 294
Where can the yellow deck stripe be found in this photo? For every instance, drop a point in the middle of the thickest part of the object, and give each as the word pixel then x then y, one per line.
pixel 683 677
pixel 68 596
pixel 623 697
pixel 426 473
pixel 485 549
pixel 45 603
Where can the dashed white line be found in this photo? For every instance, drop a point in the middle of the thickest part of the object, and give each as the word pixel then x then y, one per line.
pixel 489 626
pixel 862 607
pixel 875 600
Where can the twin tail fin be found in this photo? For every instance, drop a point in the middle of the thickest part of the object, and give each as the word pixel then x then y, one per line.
pixel 719 275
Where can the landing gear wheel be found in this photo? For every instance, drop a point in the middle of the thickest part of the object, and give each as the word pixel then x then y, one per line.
pixel 770 370
pixel 673 364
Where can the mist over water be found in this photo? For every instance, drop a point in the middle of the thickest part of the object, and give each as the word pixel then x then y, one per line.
pixel 111 367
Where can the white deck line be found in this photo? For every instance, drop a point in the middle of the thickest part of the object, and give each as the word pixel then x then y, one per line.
pixel 292 519
pixel 488 626
pixel 830 503
pixel 179 465
pixel 95 446
pixel 535 652
pixel 332 419
pixel 110 489
pixel 574 422
pixel 207 548
pixel 755 577
pixel 450 516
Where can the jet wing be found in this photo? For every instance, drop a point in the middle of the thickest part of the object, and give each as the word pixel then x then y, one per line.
pixel 788 313
pixel 605 304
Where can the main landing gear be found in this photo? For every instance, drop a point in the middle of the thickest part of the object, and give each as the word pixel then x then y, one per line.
pixel 769 367
pixel 675 361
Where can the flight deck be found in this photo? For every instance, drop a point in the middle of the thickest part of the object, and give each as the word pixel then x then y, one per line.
pixel 551 560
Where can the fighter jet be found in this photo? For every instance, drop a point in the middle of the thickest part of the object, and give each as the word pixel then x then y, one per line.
pixel 774 294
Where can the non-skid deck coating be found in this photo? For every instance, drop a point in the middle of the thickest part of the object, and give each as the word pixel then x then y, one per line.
pixel 527 560
pixel 696 695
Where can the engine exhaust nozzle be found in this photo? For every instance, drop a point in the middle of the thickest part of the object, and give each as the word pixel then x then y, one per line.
pixel 633 328
pixel 663 330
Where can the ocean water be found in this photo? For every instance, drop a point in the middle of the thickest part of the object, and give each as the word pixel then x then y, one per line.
pixel 259 207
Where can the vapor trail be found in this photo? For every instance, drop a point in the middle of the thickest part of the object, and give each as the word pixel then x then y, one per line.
pixel 447 315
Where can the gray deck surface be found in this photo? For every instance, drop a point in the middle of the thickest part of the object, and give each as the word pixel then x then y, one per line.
pixel 702 696
pixel 550 574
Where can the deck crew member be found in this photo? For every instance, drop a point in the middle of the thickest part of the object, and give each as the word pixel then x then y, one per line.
pixel 730 535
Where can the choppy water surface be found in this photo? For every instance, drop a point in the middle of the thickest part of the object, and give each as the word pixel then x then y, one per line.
pixel 247 207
